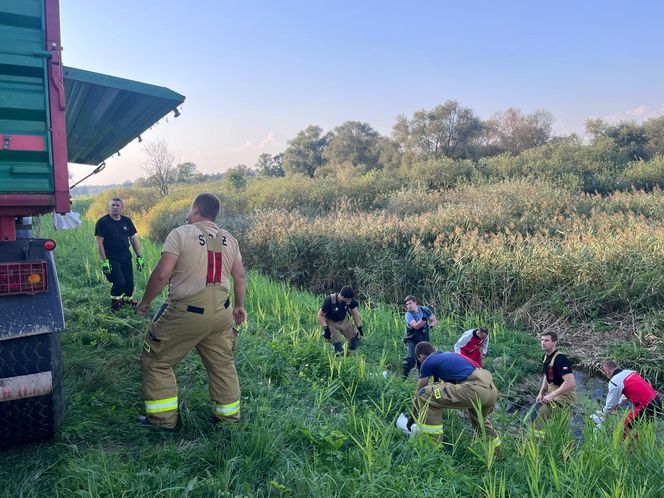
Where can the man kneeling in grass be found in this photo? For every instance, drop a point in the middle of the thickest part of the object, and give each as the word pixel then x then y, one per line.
pixel 460 383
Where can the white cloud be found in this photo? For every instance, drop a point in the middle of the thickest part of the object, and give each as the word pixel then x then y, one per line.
pixel 637 114
pixel 270 144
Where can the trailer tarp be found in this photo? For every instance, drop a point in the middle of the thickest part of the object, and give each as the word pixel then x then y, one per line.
pixel 104 113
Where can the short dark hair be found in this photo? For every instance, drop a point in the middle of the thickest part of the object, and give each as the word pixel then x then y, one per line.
pixel 208 205
pixel 553 335
pixel 410 298
pixel 484 329
pixel 610 365
pixel 117 199
pixel 425 348
pixel 347 291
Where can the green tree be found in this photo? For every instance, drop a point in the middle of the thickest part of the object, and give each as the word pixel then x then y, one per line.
pixel 245 170
pixel 513 131
pixel 390 155
pixel 447 130
pixel 654 129
pixel 269 165
pixel 236 177
pixel 354 143
pixel 185 172
pixel 629 138
pixel 305 152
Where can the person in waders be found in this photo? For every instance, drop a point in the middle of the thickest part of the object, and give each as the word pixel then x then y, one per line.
pixel 333 316
pixel 198 261
pixel 558 390
pixel 459 383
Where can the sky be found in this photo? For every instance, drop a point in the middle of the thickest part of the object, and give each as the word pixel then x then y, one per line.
pixel 254 73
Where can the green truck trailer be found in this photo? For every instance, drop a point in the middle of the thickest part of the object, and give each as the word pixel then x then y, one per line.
pixel 49 115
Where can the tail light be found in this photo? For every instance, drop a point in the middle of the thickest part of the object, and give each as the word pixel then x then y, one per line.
pixel 49 244
pixel 23 278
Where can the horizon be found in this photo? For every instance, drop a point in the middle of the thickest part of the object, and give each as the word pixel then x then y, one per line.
pixel 256 74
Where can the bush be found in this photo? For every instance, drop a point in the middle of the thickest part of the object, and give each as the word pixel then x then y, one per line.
pixel 514 246
pixel 645 175
pixel 137 204
pixel 166 216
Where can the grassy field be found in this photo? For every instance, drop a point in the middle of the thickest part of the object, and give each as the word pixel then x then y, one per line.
pixel 537 251
pixel 312 424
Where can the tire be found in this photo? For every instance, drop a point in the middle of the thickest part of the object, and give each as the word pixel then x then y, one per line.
pixel 38 417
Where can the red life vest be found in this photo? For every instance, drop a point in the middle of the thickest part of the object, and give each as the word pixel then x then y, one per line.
pixel 473 349
pixel 637 390
pixel 470 360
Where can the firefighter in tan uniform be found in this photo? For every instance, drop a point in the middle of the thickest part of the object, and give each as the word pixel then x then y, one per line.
pixel 333 316
pixel 459 383
pixel 558 390
pixel 198 260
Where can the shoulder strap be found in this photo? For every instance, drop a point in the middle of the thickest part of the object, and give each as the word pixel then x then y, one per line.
pixel 212 242
pixel 333 298
pixel 553 358
pixel 214 257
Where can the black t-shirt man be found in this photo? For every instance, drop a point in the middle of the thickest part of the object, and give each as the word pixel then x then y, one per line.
pixel 337 312
pixel 554 373
pixel 116 235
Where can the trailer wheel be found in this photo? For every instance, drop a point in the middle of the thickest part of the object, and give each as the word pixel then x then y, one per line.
pixel 37 417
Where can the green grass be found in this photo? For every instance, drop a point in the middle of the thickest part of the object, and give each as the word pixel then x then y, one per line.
pixel 312 425
pixel 534 249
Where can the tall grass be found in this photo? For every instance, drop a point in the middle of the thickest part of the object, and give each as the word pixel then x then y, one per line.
pixel 312 424
pixel 540 253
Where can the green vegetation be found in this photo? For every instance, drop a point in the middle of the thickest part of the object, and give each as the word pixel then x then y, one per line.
pixel 524 243
pixel 313 425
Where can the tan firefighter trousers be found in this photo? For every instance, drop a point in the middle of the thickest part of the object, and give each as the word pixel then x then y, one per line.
pixel 202 322
pixel 476 391
pixel 546 410
pixel 343 327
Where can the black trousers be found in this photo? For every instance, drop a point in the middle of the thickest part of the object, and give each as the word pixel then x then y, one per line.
pixel 122 277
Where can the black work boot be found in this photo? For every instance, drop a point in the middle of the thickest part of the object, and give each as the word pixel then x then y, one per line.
pixel 128 300
pixel 145 422
pixel 116 305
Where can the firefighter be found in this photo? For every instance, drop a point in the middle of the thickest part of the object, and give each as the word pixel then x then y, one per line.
pixel 113 234
pixel 333 316
pixel 459 383
pixel 474 344
pixel 198 261
pixel 637 390
pixel 419 320
pixel 558 390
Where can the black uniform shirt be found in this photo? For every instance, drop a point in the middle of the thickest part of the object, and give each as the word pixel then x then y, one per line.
pixel 337 312
pixel 554 373
pixel 116 235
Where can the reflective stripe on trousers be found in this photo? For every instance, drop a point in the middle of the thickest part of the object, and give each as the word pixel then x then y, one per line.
pixel 161 405
pixel 227 410
pixel 431 429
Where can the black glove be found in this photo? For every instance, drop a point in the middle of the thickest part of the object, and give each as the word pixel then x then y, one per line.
pixel 326 333
pixel 360 331
pixel 410 422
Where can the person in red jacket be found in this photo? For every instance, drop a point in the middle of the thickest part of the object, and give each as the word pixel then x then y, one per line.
pixel 636 389
pixel 473 344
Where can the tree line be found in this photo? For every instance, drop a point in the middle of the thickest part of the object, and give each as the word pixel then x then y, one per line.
pixel 448 131
pixel 454 132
